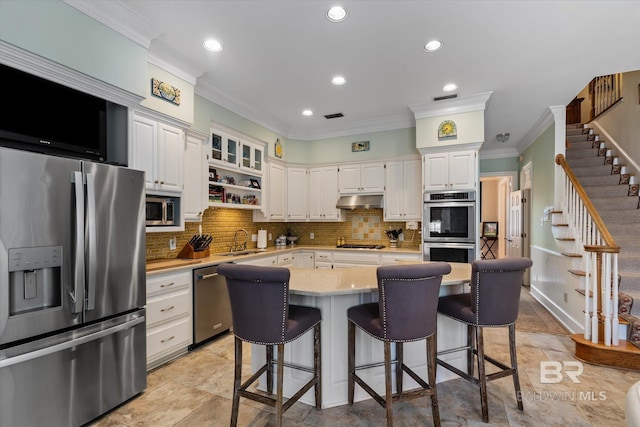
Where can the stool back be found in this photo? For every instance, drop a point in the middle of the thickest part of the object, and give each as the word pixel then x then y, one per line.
pixel 259 299
pixel 408 299
pixel 495 290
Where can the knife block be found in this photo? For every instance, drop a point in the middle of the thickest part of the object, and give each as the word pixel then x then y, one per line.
pixel 189 253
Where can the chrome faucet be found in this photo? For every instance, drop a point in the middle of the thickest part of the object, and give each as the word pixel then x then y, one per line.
pixel 236 246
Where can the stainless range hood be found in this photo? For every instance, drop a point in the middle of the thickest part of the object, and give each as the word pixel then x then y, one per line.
pixel 357 201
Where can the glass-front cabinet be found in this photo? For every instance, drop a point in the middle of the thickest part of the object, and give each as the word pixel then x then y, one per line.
pixel 251 157
pixel 224 149
pixel 235 170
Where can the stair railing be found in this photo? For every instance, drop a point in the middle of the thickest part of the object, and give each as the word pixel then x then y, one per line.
pixel 600 258
pixel 605 91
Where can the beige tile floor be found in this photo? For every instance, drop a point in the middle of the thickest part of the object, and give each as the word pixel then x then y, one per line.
pixel 196 389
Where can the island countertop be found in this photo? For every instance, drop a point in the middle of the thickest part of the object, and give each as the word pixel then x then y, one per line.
pixel 344 281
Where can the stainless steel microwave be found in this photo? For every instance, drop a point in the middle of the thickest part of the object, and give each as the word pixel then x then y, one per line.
pixel 161 211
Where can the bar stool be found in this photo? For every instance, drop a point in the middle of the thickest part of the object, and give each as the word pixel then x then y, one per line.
pixel 406 311
pixel 262 315
pixel 493 302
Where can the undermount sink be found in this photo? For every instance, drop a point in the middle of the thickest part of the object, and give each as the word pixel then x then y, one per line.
pixel 247 252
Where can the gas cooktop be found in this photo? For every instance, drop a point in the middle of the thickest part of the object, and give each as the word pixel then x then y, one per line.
pixel 354 246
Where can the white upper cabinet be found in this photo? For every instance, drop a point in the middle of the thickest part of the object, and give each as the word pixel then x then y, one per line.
pixel 323 194
pixel 224 149
pixel 297 194
pixel 361 178
pixel 274 208
pixel 194 196
pixel 450 170
pixel 403 195
pixel 252 158
pixel 158 150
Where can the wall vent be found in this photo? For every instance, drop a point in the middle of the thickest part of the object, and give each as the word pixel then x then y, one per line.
pixel 333 116
pixel 442 98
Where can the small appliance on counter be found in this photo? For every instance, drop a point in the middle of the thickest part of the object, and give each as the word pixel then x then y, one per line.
pixel 197 247
pixel 281 241
pixel 393 237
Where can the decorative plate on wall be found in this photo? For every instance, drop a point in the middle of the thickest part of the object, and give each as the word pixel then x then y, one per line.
pixel 447 129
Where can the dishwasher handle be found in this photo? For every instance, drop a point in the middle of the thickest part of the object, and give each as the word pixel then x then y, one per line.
pixel 206 276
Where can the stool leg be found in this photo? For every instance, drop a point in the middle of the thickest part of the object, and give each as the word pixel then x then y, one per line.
pixel 399 362
pixel 387 383
pixel 482 375
pixel 470 338
pixel 514 365
pixel 270 369
pixel 351 345
pixel 317 364
pixel 280 376
pixel 237 380
pixel 432 366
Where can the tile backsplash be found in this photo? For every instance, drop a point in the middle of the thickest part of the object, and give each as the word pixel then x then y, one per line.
pixel 362 226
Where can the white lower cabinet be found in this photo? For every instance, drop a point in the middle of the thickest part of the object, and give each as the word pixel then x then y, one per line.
pixel 355 259
pixel 390 259
pixel 285 260
pixel 266 261
pixel 169 316
pixel 304 259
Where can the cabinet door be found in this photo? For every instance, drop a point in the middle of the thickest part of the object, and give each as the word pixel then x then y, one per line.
pixel 436 171
pixel 194 196
pixel 462 169
pixel 349 179
pixel 277 188
pixel 316 196
pixel 142 152
pixel 170 157
pixel 372 177
pixel 251 158
pixel 394 193
pixel 297 194
pixel 329 186
pixel 411 194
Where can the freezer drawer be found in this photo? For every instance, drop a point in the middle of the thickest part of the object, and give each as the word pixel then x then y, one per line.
pixel 72 378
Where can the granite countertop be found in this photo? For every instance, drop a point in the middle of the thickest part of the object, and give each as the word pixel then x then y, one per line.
pixel 343 281
pixel 175 264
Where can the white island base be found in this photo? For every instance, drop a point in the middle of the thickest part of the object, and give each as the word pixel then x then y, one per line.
pixel 345 288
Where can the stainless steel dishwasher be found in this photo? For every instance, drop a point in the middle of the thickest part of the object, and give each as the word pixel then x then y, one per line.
pixel 211 307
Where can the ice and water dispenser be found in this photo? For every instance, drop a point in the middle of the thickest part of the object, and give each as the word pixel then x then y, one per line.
pixel 35 279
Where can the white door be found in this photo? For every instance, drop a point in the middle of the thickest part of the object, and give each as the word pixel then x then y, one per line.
pixel 514 237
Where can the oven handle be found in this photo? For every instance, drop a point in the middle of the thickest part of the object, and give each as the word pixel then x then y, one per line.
pixel 440 204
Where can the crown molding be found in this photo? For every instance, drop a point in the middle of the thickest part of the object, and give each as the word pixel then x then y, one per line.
pixel 542 124
pixel 39 66
pixel 225 99
pixel 170 68
pixel 465 104
pixel 116 15
pixel 380 124
pixel 498 153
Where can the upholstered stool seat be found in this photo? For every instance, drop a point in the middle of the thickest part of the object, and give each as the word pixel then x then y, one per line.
pixel 406 311
pixel 494 301
pixel 262 315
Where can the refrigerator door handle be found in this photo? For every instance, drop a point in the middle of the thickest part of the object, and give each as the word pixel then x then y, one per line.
pixel 69 344
pixel 77 295
pixel 92 262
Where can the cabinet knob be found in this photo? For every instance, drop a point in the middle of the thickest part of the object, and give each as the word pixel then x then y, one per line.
pixel 155 182
pixel 161 182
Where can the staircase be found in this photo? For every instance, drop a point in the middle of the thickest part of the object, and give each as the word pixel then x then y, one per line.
pixel 607 184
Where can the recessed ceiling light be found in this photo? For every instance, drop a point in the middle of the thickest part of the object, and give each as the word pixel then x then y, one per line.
pixel 432 46
pixel 212 45
pixel 338 80
pixel 307 113
pixel 449 87
pixel 337 14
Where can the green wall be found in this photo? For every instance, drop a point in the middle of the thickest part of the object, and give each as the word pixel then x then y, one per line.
pixel 541 155
pixel 499 165
pixel 57 31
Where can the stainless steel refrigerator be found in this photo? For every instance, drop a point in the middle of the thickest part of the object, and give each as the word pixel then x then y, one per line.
pixel 72 288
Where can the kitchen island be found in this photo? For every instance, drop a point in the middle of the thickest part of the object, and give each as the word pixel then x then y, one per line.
pixel 333 292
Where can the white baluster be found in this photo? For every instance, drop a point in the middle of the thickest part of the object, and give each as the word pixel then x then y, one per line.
pixel 587 298
pixel 594 302
pixel 606 299
pixel 616 322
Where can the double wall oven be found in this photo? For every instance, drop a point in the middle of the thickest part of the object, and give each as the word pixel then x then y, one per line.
pixel 449 226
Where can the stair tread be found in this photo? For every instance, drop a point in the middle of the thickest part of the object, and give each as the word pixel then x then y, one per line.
pixel 566 239
pixel 624 345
